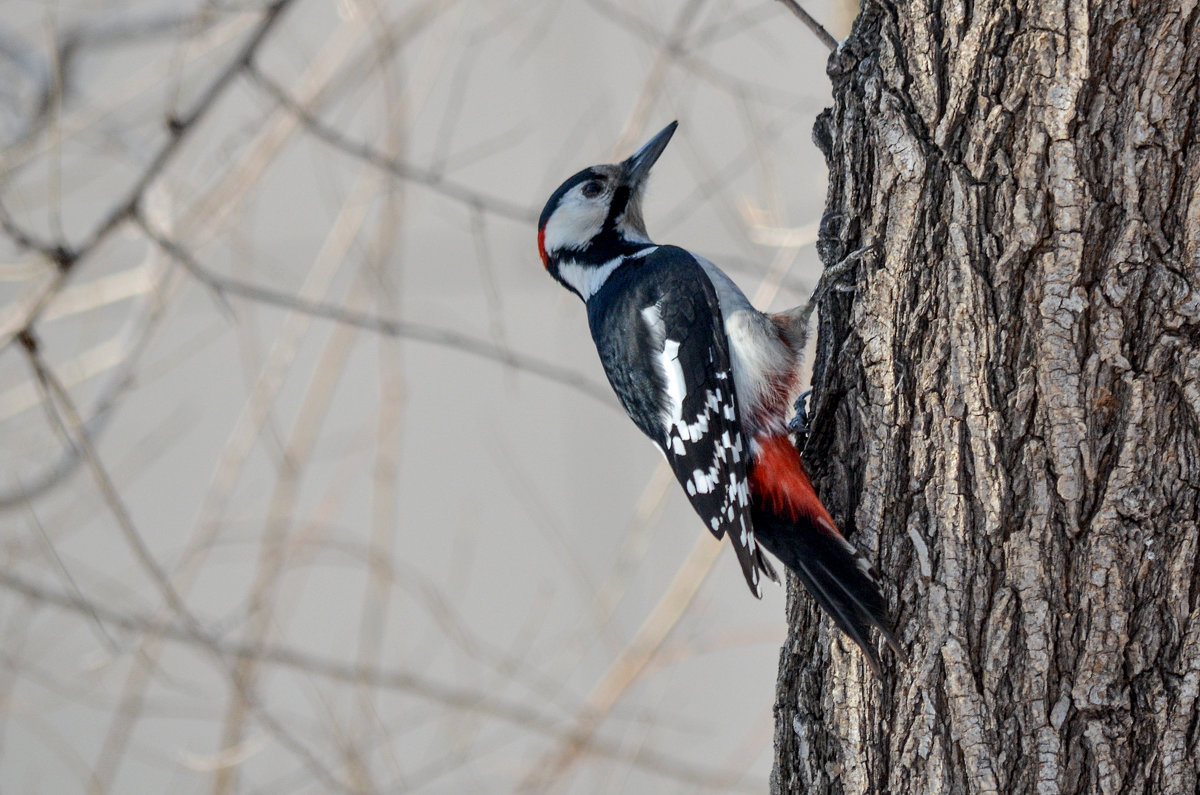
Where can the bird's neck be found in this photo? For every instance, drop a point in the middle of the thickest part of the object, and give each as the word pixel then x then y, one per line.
pixel 585 271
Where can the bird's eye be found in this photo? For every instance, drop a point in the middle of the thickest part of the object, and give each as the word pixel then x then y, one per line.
pixel 592 189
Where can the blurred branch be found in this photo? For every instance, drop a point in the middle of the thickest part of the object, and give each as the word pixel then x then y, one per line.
pixel 628 665
pixel 179 128
pixel 52 252
pixel 265 605
pixel 393 328
pixel 514 712
pixel 62 409
pixel 671 43
pixel 55 76
pixel 430 178
pixel 681 55
pixel 65 416
pixel 816 27
pixel 136 336
pixel 316 82
pixel 101 632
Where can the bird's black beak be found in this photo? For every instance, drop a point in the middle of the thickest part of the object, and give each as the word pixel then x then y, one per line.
pixel 637 167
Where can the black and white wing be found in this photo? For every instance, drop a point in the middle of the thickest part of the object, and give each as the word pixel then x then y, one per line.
pixel 658 327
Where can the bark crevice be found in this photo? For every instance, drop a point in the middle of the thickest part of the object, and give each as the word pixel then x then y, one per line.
pixel 1007 402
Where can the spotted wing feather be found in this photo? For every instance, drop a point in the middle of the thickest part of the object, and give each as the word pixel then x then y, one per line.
pixel 682 394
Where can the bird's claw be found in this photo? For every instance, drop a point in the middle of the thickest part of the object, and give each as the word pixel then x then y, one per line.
pixel 800 423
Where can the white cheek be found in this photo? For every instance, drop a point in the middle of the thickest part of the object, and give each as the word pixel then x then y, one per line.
pixel 573 224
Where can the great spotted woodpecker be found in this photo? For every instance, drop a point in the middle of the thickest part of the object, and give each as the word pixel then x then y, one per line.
pixel 710 380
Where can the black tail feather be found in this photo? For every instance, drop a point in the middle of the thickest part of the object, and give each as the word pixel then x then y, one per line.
pixel 830 570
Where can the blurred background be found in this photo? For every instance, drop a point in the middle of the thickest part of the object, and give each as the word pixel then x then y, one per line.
pixel 310 480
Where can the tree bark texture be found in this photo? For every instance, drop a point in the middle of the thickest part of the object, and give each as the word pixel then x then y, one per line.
pixel 1007 394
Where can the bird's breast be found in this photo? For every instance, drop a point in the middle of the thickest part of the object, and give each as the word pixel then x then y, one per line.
pixel 766 371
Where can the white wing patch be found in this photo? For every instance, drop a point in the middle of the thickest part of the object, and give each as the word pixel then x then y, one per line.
pixel 680 431
pixel 676 388
pixel 688 440
pixel 668 366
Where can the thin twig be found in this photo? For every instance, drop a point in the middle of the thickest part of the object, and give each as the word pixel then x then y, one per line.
pixel 422 176
pixel 393 328
pixel 816 27
pixel 180 127
pixel 135 337
pixel 106 639
pixel 627 667
pixel 385 525
pixel 701 69
pixel 518 713
pixel 264 602
pixel 53 252
pixel 71 424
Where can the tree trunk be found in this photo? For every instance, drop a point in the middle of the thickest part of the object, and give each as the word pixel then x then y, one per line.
pixel 1008 402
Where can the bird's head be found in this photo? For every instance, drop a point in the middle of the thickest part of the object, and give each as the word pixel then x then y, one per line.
pixel 596 215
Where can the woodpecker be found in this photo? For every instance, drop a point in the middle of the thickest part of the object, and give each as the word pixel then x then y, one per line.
pixel 710 380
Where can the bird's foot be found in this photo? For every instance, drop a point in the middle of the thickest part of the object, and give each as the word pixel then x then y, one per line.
pixel 831 277
pixel 800 423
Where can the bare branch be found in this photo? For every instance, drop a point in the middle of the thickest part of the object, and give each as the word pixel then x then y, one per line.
pixel 135 337
pixel 71 425
pixel 180 127
pixel 812 24
pixel 430 178
pixel 57 253
pixel 628 666
pixel 516 713
pixel 392 328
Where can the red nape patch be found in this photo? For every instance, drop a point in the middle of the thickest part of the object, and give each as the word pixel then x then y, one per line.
pixel 779 479
pixel 542 247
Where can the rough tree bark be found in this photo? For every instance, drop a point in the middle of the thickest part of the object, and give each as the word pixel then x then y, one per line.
pixel 1008 402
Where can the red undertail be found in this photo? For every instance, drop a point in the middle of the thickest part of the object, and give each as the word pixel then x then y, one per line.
pixel 779 480
pixel 792 524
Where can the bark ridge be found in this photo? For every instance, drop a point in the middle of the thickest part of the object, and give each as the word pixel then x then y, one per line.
pixel 1008 402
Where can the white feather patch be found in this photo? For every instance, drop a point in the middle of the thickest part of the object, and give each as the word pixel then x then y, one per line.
pixel 576 221
pixel 587 279
pixel 669 366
